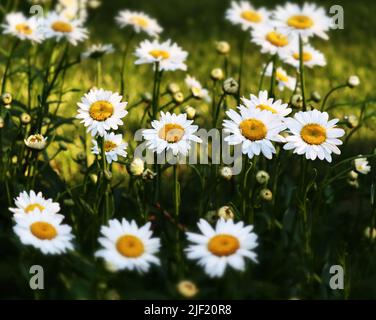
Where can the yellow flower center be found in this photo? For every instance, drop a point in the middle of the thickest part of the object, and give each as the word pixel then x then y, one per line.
pixel 171 132
pixel 223 245
pixel 159 54
pixel 130 246
pixel 277 39
pixel 265 107
pixel 24 28
pixel 61 26
pixel 101 110
pixel 33 206
pixel 139 21
pixel 43 230
pixel 251 16
pixel 306 56
pixel 313 134
pixel 281 76
pixel 300 22
pixel 253 129
pixel 109 146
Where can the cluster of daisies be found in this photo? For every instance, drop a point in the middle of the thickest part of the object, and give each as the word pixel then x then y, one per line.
pixel 261 120
pixel 277 33
pixel 125 245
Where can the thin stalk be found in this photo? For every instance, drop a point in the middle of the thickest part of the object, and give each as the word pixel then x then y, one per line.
pixel 273 77
pixel 263 73
pixel 242 54
pixel 329 94
pixel 301 72
pixel 99 73
pixel 124 63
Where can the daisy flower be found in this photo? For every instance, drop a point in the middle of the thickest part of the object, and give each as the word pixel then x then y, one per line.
pixel 44 232
pixel 140 22
pixel 254 130
pixel 113 147
pixel 270 39
pixel 313 135
pixel 196 88
pixel 228 244
pixel 171 132
pixel 28 202
pixel 169 55
pixel 244 14
pixel 97 51
pixel 311 56
pixel 36 142
pixel 59 27
pixel 362 166
pixel 16 24
pixel 282 78
pixel 262 102
pixel 126 246
pixel 307 21
pixel 101 110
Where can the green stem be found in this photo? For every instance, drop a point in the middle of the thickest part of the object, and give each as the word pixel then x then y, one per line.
pixel 176 192
pixel 263 73
pixel 99 72
pixel 242 54
pixel 329 94
pixel 273 77
pixel 301 72
pixel 123 64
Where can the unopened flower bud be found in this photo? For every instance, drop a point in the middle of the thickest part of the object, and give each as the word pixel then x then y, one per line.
pixel 352 121
pixel 187 288
pixel 191 112
pixel 148 175
pixel 223 47
pixel 352 175
pixel 353 183
pixel 25 118
pixel 266 195
pixel 353 81
pixel 262 177
pixel 315 96
pixel 137 167
pixel 1 123
pixel 297 101
pixel 173 88
pixel 69 202
pixel 370 233
pixel 226 173
pixel 226 213
pixel 217 74
pixel 7 98
pixel 230 86
pixel 178 97
pixel 147 97
pixel 94 178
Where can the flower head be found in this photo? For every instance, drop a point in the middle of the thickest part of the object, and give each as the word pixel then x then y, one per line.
pixel 314 135
pixel 97 51
pixel 101 110
pixel 16 24
pixel 255 130
pixel 196 88
pixel 36 142
pixel 60 27
pixel 126 246
pixel 362 166
pixel 171 132
pixel 44 232
pixel 225 245
pixel 139 21
pixel 114 146
pixel 244 14
pixel 307 20
pixel 169 56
